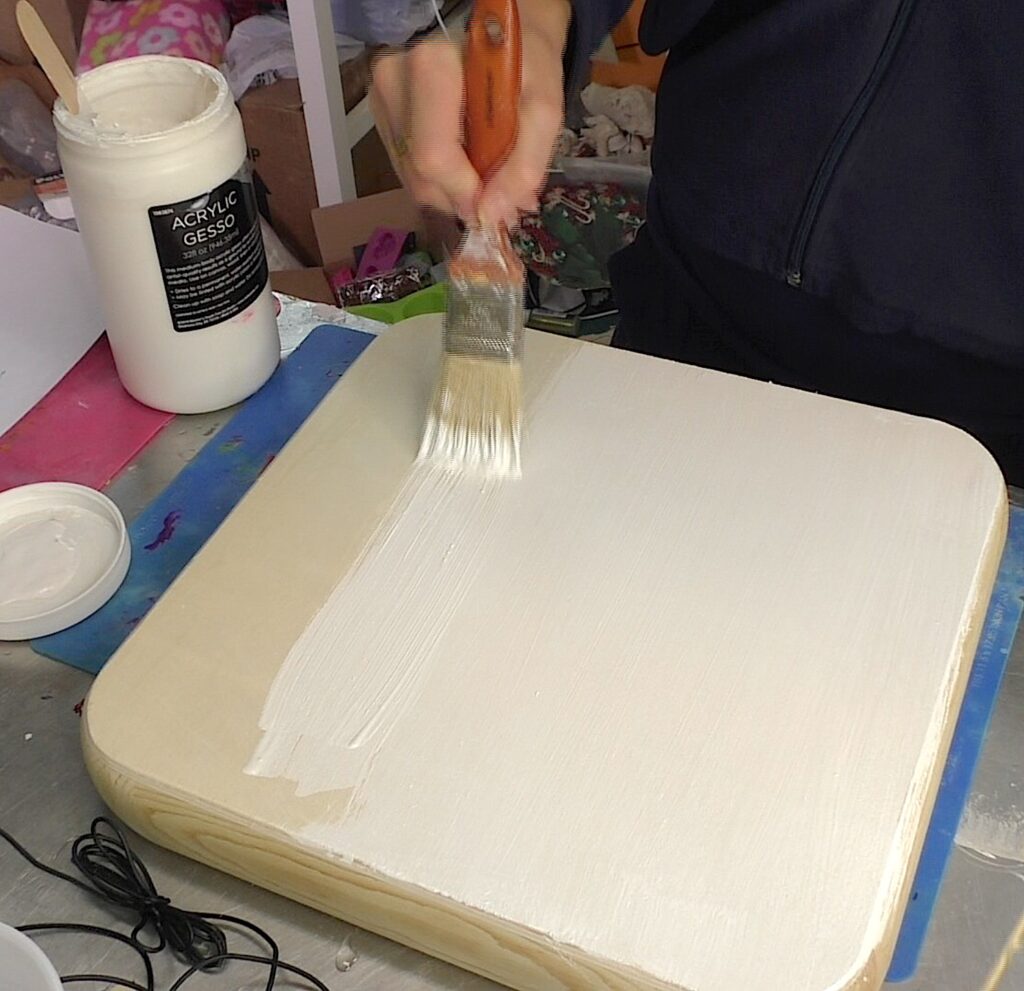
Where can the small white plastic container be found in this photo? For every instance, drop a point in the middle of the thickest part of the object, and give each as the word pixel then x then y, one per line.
pixel 156 167
pixel 64 551
pixel 23 965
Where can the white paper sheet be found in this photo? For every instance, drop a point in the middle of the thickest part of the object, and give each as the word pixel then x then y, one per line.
pixel 49 310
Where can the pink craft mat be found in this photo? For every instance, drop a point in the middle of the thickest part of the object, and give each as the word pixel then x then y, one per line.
pixel 85 430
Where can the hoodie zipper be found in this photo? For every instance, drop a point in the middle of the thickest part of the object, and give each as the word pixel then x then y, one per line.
pixel 837 147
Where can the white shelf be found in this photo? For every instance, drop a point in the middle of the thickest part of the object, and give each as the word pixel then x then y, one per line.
pixel 332 132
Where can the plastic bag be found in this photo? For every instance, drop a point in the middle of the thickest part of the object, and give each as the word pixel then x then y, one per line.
pixel 382 22
pixel 28 139
pixel 260 49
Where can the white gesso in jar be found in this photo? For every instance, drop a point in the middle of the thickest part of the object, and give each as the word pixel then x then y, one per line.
pixel 156 167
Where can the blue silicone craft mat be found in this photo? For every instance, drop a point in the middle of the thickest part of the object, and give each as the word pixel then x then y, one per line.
pixel 172 529
pixel 1001 625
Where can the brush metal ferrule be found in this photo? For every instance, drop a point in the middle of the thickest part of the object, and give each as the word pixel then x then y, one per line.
pixel 484 320
pixel 485 312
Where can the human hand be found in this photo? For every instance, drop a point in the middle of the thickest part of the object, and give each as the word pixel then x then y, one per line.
pixel 417 98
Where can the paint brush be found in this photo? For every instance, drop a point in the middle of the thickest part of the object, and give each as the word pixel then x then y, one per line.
pixel 474 423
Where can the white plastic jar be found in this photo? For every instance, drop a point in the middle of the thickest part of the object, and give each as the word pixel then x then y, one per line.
pixel 156 167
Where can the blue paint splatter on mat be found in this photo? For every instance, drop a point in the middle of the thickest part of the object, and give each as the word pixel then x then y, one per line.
pixel 181 519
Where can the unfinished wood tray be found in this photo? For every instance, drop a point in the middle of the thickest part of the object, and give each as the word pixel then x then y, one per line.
pixel 668 713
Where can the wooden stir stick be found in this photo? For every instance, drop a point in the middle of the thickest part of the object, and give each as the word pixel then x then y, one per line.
pixel 48 55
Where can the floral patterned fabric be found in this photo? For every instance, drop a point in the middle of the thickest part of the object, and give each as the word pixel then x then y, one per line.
pixel 197 29
pixel 577 229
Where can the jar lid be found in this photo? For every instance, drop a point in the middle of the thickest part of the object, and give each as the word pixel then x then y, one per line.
pixel 25 966
pixel 64 551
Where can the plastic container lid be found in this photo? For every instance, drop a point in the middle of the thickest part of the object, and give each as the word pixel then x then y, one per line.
pixel 23 965
pixel 64 551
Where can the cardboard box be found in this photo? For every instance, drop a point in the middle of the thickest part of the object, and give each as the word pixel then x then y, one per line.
pixel 340 229
pixel 634 66
pixel 275 129
pixel 626 34
pixel 303 283
pixel 275 132
pixel 63 18
pixel 12 190
pixel 644 70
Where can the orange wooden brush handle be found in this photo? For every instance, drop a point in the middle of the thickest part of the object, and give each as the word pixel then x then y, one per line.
pixel 494 60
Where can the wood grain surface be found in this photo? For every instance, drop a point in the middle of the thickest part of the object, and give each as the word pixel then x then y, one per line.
pixel 694 746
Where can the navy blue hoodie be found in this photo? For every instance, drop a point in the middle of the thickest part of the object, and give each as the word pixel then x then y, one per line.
pixel 867 152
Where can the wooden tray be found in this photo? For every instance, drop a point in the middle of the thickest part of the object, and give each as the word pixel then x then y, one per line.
pixel 680 699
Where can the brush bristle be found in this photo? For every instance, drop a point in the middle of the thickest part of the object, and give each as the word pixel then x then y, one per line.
pixel 475 420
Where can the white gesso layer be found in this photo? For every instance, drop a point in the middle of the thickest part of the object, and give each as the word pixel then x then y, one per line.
pixel 669 707
pixel 52 556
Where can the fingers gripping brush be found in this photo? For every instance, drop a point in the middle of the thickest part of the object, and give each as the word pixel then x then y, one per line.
pixel 474 423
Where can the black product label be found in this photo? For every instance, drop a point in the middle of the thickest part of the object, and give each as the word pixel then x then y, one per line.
pixel 211 254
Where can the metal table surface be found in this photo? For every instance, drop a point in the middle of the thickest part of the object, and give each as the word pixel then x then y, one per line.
pixel 46 800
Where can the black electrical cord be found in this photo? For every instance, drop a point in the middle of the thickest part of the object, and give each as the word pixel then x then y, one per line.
pixel 114 873
pixel 95 931
pixel 252 958
pixel 101 979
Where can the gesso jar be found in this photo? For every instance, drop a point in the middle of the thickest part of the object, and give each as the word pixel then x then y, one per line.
pixel 156 167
